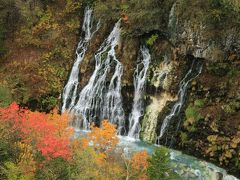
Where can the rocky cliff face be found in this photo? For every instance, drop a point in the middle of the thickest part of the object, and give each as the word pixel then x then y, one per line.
pixel 178 33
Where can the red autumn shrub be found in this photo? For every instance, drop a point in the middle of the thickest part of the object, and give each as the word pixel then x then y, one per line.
pixel 47 133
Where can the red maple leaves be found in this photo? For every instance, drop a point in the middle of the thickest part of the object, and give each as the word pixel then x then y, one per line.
pixel 48 134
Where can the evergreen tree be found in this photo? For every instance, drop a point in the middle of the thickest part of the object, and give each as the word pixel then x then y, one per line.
pixel 160 167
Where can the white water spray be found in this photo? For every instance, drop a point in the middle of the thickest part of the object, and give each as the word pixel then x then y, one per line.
pixel 139 87
pixel 70 90
pixel 97 100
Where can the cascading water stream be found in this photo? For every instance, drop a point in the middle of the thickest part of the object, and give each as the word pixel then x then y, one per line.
pixel 172 18
pixel 97 100
pixel 113 102
pixel 161 75
pixel 176 109
pixel 70 90
pixel 173 23
pixel 139 87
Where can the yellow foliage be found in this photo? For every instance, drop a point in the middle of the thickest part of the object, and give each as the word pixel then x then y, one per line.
pixel 212 138
pixel 224 148
pixel 26 160
pixel 62 123
pixel 236 140
pixel 72 6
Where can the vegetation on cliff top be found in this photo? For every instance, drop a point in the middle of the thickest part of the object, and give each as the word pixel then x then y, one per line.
pixel 40 48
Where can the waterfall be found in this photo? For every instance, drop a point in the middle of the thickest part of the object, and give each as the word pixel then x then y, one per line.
pixel 97 100
pixel 176 109
pixel 139 86
pixel 172 16
pixel 160 76
pixel 172 23
pixel 70 90
pixel 113 109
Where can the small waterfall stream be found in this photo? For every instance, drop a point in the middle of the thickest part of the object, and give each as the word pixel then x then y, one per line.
pixel 139 87
pixel 176 109
pixel 97 100
pixel 69 94
pixel 160 76
pixel 112 108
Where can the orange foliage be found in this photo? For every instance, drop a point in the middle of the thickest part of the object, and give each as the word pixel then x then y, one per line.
pixel 139 160
pixel 139 165
pixel 125 18
pixel 11 115
pixel 99 145
pixel 46 133
pixel 103 139
pixel 61 123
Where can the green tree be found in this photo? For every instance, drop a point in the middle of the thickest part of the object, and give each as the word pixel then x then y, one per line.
pixel 57 168
pixel 12 171
pixel 85 165
pixel 5 94
pixel 8 151
pixel 160 167
pixel 2 34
